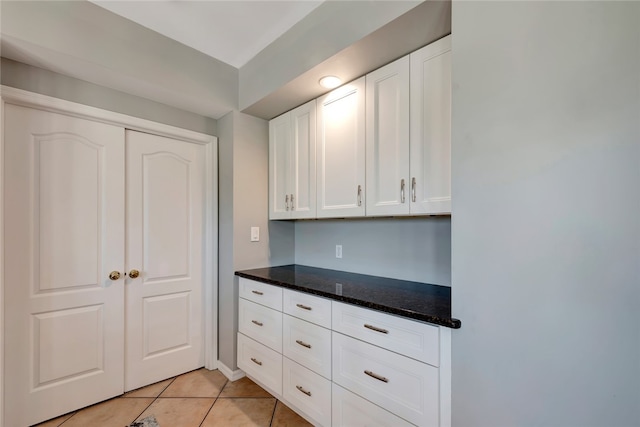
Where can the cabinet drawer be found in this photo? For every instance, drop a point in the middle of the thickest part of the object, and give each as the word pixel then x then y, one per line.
pixel 308 307
pixel 260 323
pixel 307 392
pixel 307 344
pixel 350 410
pixel 401 385
pixel 259 292
pixel 260 363
pixel 410 338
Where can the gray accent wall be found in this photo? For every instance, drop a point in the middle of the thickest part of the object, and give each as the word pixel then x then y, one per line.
pixel 417 249
pixel 85 41
pixel 243 203
pixel 45 82
pixel 546 214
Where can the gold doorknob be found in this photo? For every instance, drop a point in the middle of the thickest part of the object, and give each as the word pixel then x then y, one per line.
pixel 134 273
pixel 114 275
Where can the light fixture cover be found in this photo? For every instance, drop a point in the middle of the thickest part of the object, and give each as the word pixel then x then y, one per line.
pixel 330 82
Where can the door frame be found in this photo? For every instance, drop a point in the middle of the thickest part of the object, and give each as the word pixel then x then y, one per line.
pixel 10 95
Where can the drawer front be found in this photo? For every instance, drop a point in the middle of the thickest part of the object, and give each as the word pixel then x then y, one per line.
pixel 307 391
pixel 350 410
pixel 307 344
pixel 259 292
pixel 403 386
pixel 307 307
pixel 260 323
pixel 410 338
pixel 260 363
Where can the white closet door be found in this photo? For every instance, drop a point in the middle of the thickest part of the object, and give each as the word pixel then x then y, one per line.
pixel 165 194
pixel 64 228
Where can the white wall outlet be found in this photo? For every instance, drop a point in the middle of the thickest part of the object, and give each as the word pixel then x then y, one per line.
pixel 255 234
pixel 338 251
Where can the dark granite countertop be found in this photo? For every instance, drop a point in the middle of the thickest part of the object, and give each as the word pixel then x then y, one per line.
pixel 420 301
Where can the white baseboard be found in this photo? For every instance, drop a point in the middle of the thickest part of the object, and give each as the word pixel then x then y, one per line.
pixel 230 374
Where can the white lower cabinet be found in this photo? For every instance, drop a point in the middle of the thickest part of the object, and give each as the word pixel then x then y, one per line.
pixel 307 391
pixel 260 363
pixel 404 386
pixel 342 365
pixel 351 410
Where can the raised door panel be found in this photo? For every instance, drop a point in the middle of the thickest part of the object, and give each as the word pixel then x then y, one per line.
pixel 303 168
pixel 165 193
pixel 64 217
pixel 341 152
pixel 431 128
pixel 280 158
pixel 387 102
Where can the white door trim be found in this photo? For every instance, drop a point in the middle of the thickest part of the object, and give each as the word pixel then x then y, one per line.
pixel 210 274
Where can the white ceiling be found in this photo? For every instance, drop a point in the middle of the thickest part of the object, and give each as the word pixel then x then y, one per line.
pixel 230 31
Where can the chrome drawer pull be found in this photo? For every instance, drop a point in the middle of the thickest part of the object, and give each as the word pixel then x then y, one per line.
pixel 373 328
pixel 256 361
pixel 308 393
pixel 376 376
pixel 258 292
pixel 304 344
pixel 304 307
pixel 256 322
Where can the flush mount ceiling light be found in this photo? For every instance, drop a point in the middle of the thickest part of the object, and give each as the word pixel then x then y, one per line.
pixel 330 82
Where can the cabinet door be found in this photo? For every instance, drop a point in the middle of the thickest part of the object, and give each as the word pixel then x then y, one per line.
pixel 431 128
pixel 279 166
pixel 387 101
pixel 302 198
pixel 64 219
pixel 341 152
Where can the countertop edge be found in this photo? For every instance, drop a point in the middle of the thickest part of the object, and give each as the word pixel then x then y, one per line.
pixel 448 322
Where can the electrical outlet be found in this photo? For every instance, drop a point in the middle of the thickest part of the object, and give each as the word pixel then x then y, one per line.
pixel 338 251
pixel 255 234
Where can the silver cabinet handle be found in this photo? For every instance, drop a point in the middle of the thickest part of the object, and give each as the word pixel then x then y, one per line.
pixel 413 189
pixel 373 328
pixel 376 376
pixel 359 195
pixel 286 202
pixel 308 393
pixel 255 322
pixel 304 344
pixel 292 205
pixel 256 361
pixel 402 190
pixel 258 292
pixel 304 307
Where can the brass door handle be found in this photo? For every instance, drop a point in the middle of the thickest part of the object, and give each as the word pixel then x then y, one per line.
pixel 114 275
pixel 134 273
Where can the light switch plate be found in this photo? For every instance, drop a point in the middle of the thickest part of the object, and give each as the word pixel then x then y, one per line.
pixel 255 234
pixel 338 251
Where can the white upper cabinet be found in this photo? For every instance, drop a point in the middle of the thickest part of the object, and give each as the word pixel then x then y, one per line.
pixel 382 146
pixel 292 164
pixel 387 112
pixel 431 129
pixel 341 151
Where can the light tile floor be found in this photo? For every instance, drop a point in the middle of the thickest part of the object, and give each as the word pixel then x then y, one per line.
pixel 199 398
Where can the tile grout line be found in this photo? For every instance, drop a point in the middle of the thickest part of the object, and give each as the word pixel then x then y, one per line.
pixel 273 414
pixel 153 401
pixel 214 402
